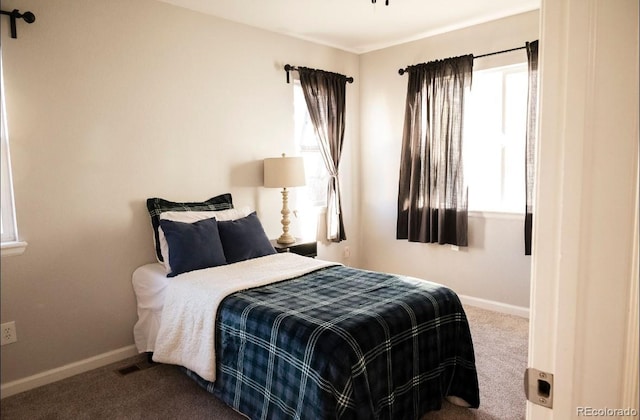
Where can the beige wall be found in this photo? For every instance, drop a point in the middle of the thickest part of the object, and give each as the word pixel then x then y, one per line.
pixel 111 102
pixel 494 266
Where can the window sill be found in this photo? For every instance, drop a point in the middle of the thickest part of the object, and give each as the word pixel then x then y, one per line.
pixel 496 215
pixel 13 248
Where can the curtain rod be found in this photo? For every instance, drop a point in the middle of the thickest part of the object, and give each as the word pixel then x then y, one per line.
pixel 289 67
pixel 402 71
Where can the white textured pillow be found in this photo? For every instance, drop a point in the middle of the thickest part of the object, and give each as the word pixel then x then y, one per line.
pixel 192 217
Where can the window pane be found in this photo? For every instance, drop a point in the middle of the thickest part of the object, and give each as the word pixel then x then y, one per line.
pixel 494 139
pixel 515 118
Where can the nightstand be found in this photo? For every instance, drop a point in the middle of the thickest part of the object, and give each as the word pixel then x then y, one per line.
pixel 301 247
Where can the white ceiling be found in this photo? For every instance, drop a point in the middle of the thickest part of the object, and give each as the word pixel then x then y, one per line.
pixel 359 25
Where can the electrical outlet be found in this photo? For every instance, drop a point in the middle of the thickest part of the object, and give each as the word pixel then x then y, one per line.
pixel 346 253
pixel 8 330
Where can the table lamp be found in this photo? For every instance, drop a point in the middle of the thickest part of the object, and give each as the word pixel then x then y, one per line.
pixel 284 172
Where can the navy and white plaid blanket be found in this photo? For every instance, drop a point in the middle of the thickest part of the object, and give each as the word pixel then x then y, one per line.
pixel 343 343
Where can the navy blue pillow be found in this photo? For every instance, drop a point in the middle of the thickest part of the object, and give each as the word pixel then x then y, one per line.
pixel 193 246
pixel 157 206
pixel 243 239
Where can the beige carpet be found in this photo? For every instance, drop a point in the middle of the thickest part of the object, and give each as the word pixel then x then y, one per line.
pixel 164 392
pixel 500 343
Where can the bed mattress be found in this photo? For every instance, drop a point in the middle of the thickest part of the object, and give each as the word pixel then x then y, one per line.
pixel 149 284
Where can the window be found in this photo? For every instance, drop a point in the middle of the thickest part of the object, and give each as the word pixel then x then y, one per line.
pixel 315 193
pixel 312 199
pixel 494 139
pixel 8 227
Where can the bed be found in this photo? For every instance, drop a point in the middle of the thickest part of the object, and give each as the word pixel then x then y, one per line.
pixel 280 336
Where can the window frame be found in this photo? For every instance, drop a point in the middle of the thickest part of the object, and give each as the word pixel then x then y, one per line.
pixel 304 148
pixel 9 238
pixel 493 212
pixel 308 211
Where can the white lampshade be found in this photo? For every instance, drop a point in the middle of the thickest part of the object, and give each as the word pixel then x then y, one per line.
pixel 284 172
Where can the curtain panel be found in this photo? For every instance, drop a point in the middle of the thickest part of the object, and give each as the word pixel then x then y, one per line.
pixel 324 94
pixel 432 195
pixel 531 139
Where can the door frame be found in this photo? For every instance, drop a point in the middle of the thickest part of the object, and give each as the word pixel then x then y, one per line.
pixel 582 264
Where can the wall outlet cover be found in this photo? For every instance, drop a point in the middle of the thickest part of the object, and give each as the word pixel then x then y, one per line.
pixel 8 333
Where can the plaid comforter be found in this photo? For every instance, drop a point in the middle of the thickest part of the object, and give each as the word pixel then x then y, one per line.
pixel 343 343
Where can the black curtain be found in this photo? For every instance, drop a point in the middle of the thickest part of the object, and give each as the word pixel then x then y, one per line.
pixel 324 93
pixel 432 195
pixel 532 133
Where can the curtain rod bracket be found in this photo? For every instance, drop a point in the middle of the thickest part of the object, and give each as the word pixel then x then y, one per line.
pixel 15 14
pixel 288 68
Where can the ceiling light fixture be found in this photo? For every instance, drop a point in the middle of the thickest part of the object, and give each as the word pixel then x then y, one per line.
pixel 386 3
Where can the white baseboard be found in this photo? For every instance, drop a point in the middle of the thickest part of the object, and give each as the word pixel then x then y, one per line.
pixel 66 371
pixel 492 305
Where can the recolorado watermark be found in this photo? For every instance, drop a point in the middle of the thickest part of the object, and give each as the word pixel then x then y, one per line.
pixel 606 412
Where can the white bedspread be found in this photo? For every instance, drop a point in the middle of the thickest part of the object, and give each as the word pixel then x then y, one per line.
pixel 187 327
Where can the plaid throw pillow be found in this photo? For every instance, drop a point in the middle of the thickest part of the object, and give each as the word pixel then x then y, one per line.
pixel 160 205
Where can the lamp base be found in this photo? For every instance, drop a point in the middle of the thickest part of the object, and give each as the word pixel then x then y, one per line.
pixel 286 239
